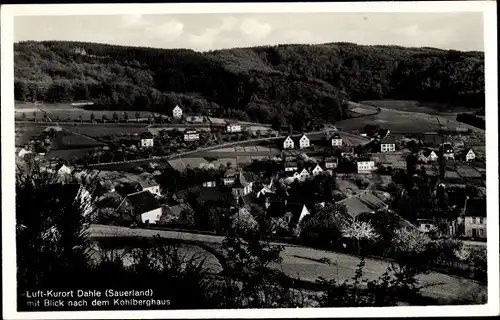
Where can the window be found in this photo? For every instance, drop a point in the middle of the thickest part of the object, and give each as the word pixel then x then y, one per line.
pixel 481 232
pixel 481 221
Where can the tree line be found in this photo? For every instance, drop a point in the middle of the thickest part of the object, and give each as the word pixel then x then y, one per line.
pixel 288 84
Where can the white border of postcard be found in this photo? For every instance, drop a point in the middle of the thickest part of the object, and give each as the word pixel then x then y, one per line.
pixel 488 8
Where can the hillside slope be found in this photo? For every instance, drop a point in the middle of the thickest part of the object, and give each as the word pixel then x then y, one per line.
pixel 285 85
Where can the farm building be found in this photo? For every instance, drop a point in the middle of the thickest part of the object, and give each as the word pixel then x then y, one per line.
pixel 177 112
pixel 230 176
pixel 291 166
pixel 147 140
pixel 233 127
pixel 304 142
pixel 241 186
pixel 446 151
pixel 317 170
pixel 365 165
pixel 363 203
pixel 154 188
pixel 191 135
pixel 475 218
pixel 468 155
pixel 427 156
pixel 387 144
pixel 288 143
pixel 336 140
pixel 141 206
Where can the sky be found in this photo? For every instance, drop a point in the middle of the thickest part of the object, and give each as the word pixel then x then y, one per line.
pixel 202 32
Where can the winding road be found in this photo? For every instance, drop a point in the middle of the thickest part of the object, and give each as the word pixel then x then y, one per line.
pixel 302 262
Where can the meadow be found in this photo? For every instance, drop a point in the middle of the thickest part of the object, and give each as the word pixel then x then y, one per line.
pixel 433 108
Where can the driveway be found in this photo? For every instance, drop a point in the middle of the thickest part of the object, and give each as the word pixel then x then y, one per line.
pixel 301 262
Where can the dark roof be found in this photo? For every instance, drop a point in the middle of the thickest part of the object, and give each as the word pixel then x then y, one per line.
pixel 476 208
pixel 106 184
pixel 360 159
pixel 383 132
pixel 241 181
pixel 290 164
pixel 335 136
pixel 146 183
pixel 230 172
pixel 190 131
pixel 146 135
pixel 295 209
pixel 388 140
pixel 143 201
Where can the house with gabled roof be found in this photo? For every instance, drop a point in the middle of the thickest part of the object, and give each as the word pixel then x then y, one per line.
pixel 317 170
pixel 336 140
pixel 387 144
pixel 304 142
pixel 233 127
pixel 288 143
pixel 23 152
pixel 141 206
pixel 191 135
pixel 475 218
pixel 446 151
pixel 304 174
pixel 427 156
pixel 241 186
pixel 177 112
pixel 365 165
pixel 147 140
pixel 230 176
pixel 148 185
pixel 468 155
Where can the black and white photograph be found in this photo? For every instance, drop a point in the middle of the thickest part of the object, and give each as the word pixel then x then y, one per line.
pixel 232 159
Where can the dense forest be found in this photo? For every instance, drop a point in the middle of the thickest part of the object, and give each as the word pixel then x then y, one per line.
pixel 289 84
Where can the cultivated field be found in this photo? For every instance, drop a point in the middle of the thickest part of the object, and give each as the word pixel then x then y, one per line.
pixel 421 107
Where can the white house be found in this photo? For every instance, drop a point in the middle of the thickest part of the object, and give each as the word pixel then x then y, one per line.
pixel 147 140
pixel 177 112
pixel 317 170
pixel 387 144
pixel 209 184
pixel 304 174
pixel 304 142
pixel 365 165
pixel 191 135
pixel 290 166
pixel 141 206
pixel 148 186
pixel 241 187
pixel 475 218
pixel 428 156
pixel 288 143
pixel 469 155
pixel 233 127
pixel 64 170
pixel 263 191
pixel 336 140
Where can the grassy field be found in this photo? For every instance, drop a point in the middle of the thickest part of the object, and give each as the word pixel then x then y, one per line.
pixel 403 122
pixel 421 107
pixel 67 111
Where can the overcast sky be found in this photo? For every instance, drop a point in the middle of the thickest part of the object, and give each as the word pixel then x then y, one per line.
pixel 458 30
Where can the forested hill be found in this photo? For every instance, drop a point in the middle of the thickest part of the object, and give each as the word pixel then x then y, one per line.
pixel 290 84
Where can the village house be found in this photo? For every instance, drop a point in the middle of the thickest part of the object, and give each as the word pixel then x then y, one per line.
pixel 336 140
pixel 154 188
pixel 173 213
pixel 304 174
pixel 295 214
pixel 331 162
pixel 446 151
pixel 387 144
pixel 304 142
pixel 475 218
pixel 241 187
pixel 290 166
pixel 147 140
pixel 317 170
pixel 233 127
pixel 191 135
pixel 230 176
pixel 365 203
pixel 209 184
pixel 177 112
pixel 288 143
pixel 141 206
pixel 264 191
pixel 365 165
pixel 427 156
pixel 468 155
pixel 103 187
pixel 348 153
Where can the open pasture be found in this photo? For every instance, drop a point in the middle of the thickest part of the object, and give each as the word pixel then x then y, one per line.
pixel 433 108
pixel 400 121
